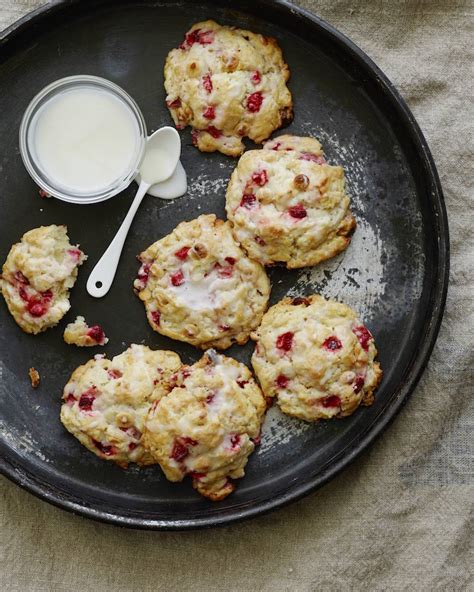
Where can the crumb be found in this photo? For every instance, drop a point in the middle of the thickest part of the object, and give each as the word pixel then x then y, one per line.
pixel 34 377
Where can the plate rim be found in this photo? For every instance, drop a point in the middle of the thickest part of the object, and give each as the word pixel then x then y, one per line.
pixel 33 484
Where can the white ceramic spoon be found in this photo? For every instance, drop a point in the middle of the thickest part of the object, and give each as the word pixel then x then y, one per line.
pixel 162 154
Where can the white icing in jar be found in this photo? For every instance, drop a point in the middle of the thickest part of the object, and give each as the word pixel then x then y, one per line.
pixel 82 139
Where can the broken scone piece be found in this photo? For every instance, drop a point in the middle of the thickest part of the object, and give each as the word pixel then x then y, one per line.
pixel 79 333
pixel 34 377
pixel 227 83
pixel 37 276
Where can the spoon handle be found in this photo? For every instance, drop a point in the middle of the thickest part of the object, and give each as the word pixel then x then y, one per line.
pixel 102 276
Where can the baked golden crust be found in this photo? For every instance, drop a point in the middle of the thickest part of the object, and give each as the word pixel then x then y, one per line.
pixel 106 401
pixel 227 83
pixel 199 286
pixel 37 276
pixel 207 425
pixel 316 358
pixel 286 205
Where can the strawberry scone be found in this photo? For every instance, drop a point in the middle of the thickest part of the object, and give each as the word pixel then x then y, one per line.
pixel 227 83
pixel 316 358
pixel 79 333
pixel 287 205
pixel 199 286
pixel 208 425
pixel 106 401
pixel 37 276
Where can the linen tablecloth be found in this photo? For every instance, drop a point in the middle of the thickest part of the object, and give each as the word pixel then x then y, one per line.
pixel 399 517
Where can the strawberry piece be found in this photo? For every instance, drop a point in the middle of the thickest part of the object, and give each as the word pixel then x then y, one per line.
pixel 256 77
pixel 175 104
pixel 209 113
pixel 248 201
pixel 358 384
pixel 300 300
pixel 155 317
pixel 96 333
pixel 231 260
pixel 180 448
pixel 331 401
pixel 332 343
pixel 312 157
pixel 177 278
pixel 106 449
pixel 207 83
pixel 297 211
pixel 114 373
pixel 254 102
pixel 284 341
pixel 215 133
pixel 182 253
pixel 363 335
pixel 282 381
pixel 260 178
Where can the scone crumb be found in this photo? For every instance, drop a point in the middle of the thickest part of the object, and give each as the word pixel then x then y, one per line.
pixel 79 333
pixel 34 377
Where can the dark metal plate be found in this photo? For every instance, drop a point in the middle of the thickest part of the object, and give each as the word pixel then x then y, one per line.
pixel 395 271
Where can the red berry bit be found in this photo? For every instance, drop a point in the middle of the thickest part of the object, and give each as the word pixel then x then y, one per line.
pixel 143 274
pixel 284 341
pixel 331 401
pixel 97 334
pixel 363 335
pixel 36 308
pixel 248 201
pixel 257 439
pixel 358 384
pixel 223 327
pixel 87 399
pixel 259 240
pixel 43 193
pixel 210 398
pixel 254 102
pixel 207 83
pixel 332 343
pixel 114 374
pixel 260 178
pixel 242 383
pixel 209 113
pixel 20 278
pixel 300 300
pixel 194 137
pixel 231 260
pixel 75 254
pixel 177 278
pixel 70 399
pixel 256 77
pixel 155 317
pixel 182 253
pixel 197 476
pixel 223 272
pixel 213 131
pixel 197 36
pixel 106 449
pixel 174 104
pixel 282 381
pixel 235 442
pixel 276 146
pixel 181 447
pixel 298 212
pixel 313 157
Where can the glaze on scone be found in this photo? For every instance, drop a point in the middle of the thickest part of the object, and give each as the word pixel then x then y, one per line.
pixel 79 333
pixel 316 358
pixel 199 286
pixel 207 426
pixel 287 205
pixel 106 401
pixel 37 276
pixel 227 83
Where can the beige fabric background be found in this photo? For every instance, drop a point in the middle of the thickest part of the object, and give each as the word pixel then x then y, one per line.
pixel 399 518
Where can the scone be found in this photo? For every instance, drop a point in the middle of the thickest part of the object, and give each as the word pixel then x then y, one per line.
pixel 37 276
pixel 207 426
pixel 198 285
pixel 227 83
pixel 106 401
pixel 79 333
pixel 287 205
pixel 316 358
